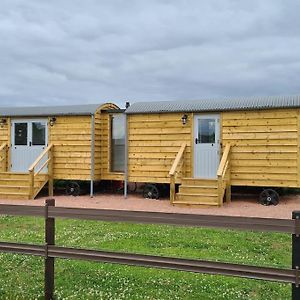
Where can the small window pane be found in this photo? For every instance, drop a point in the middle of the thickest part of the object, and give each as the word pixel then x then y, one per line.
pixel 206 131
pixel 21 134
pixel 118 143
pixel 38 134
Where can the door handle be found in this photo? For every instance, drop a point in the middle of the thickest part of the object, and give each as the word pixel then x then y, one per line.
pixel 30 144
pixel 196 140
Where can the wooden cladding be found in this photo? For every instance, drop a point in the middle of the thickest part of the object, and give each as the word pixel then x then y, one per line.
pixel 264 147
pixel 71 137
pixel 153 143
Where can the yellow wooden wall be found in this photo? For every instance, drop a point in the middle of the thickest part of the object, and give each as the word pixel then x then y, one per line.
pixel 264 147
pixel 153 142
pixel 102 146
pixel 71 136
pixel 5 138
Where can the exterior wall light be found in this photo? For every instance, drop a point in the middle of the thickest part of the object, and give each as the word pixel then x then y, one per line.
pixel 3 122
pixel 184 119
pixel 52 121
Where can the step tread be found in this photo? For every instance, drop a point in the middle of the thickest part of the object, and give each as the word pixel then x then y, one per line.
pixel 14 173
pixel 13 193
pixel 195 203
pixel 200 179
pixel 14 186
pixel 199 186
pixel 20 179
pixel 197 195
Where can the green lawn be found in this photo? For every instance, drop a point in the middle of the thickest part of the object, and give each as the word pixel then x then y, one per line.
pixel 21 277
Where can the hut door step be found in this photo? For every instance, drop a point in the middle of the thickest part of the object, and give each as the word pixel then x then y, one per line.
pixel 197 192
pixel 16 185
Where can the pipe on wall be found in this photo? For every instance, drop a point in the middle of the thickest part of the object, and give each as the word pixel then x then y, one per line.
pixel 92 157
pixel 126 159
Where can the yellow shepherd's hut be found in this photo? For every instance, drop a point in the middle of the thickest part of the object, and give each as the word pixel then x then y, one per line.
pixel 42 144
pixel 204 147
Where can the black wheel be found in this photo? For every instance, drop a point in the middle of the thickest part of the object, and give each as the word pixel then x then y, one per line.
pixel 72 188
pixel 151 191
pixel 132 187
pixel 268 197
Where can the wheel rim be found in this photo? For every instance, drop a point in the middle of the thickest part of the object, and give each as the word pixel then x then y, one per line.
pixel 73 189
pixel 268 197
pixel 151 192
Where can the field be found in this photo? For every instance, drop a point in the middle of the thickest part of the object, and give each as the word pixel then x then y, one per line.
pixel 21 277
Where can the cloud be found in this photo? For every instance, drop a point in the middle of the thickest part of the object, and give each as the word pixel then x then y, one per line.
pixel 64 52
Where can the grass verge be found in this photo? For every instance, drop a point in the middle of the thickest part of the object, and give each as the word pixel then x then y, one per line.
pixel 21 277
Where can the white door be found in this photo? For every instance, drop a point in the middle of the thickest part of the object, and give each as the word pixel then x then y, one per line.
pixel 29 138
pixel 206 145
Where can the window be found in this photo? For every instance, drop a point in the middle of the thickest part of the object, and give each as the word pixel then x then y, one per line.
pixel 206 131
pixel 38 134
pixel 20 134
pixel 117 125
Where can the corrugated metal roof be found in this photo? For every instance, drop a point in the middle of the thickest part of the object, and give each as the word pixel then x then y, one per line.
pixel 224 104
pixel 39 111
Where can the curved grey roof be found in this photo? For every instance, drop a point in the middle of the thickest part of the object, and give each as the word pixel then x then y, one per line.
pixel 42 111
pixel 224 104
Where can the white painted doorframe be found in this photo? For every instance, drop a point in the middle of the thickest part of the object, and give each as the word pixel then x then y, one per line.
pixel 27 145
pixel 206 145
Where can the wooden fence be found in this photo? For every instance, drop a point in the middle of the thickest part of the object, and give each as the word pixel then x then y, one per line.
pixel 49 251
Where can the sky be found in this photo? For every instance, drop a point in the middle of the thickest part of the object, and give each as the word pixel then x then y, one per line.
pixel 74 52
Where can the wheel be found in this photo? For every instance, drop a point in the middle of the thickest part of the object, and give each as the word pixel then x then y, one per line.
pixel 72 188
pixel 268 197
pixel 151 191
pixel 132 187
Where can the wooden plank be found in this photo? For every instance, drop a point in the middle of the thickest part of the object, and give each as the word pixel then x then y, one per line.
pixel 159 137
pixel 260 122
pixel 260 136
pixel 163 131
pixel 265 148
pixel 156 124
pixel 263 176
pixel 264 169
pixel 264 183
pixel 156 149
pixel 264 156
pixel 261 129
pixel 298 154
pixel 158 143
pixel 255 142
pixel 261 114
pixel 264 163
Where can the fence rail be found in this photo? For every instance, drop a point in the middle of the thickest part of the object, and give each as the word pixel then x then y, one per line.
pixel 49 251
pixel 195 220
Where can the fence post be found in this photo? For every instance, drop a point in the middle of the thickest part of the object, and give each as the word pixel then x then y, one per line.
pixel 296 255
pixel 49 261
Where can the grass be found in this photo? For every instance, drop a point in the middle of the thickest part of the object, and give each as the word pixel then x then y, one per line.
pixel 21 277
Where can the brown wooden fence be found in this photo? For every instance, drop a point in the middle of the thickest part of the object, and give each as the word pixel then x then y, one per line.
pixel 49 251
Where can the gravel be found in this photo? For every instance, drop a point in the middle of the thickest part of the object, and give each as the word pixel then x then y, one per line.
pixel 240 205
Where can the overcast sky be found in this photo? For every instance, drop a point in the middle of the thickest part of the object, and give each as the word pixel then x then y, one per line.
pixel 75 51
